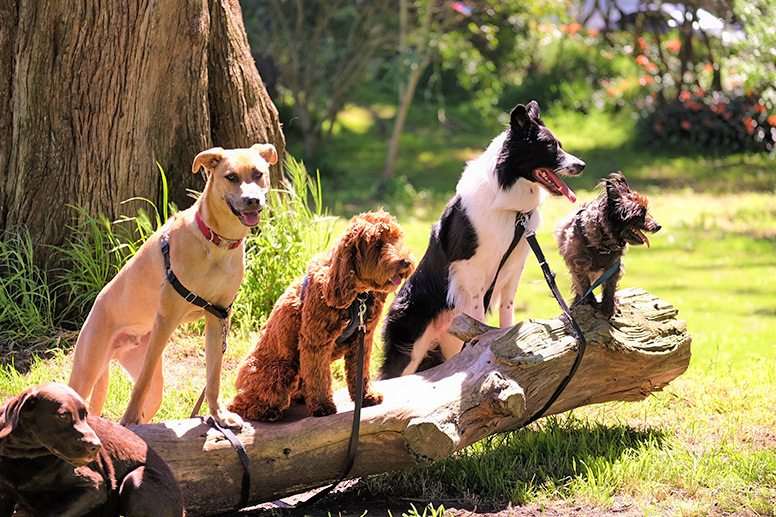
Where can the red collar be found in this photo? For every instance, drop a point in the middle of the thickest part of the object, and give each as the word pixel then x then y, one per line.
pixel 213 237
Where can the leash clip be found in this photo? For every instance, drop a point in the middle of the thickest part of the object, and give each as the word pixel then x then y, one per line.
pixel 362 310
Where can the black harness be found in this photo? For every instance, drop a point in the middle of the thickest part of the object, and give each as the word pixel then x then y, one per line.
pixel 222 313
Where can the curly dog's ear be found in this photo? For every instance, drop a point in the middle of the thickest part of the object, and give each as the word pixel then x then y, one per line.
pixel 10 412
pixel 340 288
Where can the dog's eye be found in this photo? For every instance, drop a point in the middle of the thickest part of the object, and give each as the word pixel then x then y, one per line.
pixel 64 416
pixel 232 177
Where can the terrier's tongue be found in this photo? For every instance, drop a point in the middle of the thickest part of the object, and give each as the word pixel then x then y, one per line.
pixel 250 218
pixel 642 236
pixel 396 280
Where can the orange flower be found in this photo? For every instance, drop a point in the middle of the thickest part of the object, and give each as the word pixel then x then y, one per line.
pixel 693 105
pixel 642 43
pixel 645 80
pixel 674 45
pixel 707 68
pixel 573 28
pixel 592 32
pixel 642 60
pixel 718 108
pixel 759 107
pixel 657 127
pixel 772 120
pixel 684 95
pixel 750 125
pixel 685 125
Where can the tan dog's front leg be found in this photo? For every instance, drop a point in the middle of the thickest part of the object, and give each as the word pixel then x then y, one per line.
pixel 214 352
pixel 164 326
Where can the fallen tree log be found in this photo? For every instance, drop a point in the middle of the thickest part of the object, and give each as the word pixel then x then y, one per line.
pixel 497 383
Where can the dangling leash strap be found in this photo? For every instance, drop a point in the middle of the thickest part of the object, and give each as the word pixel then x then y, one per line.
pixel 549 276
pixel 358 310
pixel 521 220
pixel 222 313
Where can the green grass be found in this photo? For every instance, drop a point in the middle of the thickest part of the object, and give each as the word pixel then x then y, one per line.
pixel 703 446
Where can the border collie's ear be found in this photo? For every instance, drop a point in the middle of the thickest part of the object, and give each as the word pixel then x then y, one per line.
pixel 519 116
pixel 533 111
pixel 208 159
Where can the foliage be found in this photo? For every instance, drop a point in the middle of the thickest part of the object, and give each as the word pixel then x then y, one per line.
pixel 712 124
pixel 322 49
pixel 27 304
pixel 96 251
pixel 295 226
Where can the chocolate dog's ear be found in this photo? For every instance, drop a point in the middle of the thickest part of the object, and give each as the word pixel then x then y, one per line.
pixel 208 159
pixel 268 152
pixel 340 288
pixel 11 411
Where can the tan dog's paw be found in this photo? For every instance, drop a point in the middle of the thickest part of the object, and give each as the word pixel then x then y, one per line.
pixel 372 398
pixel 324 409
pixel 226 418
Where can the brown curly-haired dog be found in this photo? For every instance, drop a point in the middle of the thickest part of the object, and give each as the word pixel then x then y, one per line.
pixel 299 341
pixel 596 235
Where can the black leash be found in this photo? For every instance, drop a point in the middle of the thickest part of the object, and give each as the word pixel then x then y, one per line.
pixel 521 219
pixel 549 276
pixel 222 313
pixel 358 313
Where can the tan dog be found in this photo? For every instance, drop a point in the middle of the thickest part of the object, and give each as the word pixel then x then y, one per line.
pixel 136 313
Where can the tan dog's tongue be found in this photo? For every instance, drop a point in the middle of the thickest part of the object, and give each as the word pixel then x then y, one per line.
pixel 250 218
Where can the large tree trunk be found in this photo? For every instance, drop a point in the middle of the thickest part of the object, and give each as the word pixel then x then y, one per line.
pixel 497 383
pixel 94 94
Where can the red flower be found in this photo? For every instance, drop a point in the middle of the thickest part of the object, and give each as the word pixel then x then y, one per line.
pixel 684 96
pixel 759 108
pixel 750 125
pixel 674 45
pixel 642 60
pixel 642 43
pixel 685 125
pixel 772 120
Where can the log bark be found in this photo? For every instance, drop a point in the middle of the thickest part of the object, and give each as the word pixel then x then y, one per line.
pixel 94 94
pixel 500 379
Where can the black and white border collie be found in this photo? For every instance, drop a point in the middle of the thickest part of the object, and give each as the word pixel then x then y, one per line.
pixel 469 240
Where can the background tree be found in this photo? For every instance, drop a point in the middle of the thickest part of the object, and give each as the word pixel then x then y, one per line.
pixel 93 96
pixel 322 50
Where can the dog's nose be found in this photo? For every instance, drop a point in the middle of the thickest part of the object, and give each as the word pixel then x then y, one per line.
pixel 405 263
pixel 657 227
pixel 253 203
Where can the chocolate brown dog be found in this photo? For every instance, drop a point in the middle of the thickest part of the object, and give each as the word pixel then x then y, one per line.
pixel 594 237
pixel 57 460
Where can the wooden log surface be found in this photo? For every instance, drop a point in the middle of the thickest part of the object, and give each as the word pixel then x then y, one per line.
pixel 497 383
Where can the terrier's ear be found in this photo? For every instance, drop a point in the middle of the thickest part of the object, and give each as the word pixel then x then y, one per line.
pixel 268 152
pixel 208 159
pixel 340 288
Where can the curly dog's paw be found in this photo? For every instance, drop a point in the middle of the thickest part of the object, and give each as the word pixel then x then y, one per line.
pixel 322 409
pixel 372 398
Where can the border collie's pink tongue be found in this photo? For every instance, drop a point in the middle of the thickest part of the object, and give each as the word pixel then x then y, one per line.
pixel 642 237
pixel 553 184
pixel 396 280
pixel 250 218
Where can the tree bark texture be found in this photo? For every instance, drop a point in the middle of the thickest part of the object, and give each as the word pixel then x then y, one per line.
pixel 497 383
pixel 94 94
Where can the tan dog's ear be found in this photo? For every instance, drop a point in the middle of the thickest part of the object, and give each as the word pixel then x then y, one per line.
pixel 208 159
pixel 268 152
pixel 340 288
